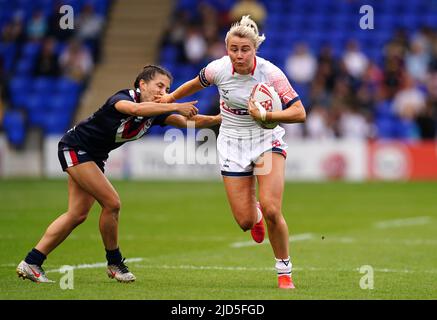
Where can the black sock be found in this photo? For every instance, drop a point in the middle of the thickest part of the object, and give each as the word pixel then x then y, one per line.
pixel 35 257
pixel 113 256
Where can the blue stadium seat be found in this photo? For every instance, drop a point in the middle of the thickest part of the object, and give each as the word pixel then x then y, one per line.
pixel 55 123
pixel 14 123
pixel 24 67
pixel 8 51
pixel 65 85
pixel 44 85
pixel 169 53
pixel 36 107
pixel 18 88
pixel 61 103
pixel 384 127
pixel 31 49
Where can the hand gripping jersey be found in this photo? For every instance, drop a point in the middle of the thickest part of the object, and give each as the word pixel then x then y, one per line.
pixel 235 90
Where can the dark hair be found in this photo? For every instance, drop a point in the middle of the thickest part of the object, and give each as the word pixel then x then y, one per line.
pixel 149 73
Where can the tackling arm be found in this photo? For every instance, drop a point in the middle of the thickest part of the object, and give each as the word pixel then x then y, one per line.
pixel 150 109
pixel 200 121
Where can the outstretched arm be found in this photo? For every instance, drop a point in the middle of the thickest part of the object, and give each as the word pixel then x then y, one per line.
pixel 200 121
pixel 187 89
pixel 150 109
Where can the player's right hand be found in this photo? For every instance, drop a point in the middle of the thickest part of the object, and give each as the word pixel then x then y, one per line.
pixel 187 109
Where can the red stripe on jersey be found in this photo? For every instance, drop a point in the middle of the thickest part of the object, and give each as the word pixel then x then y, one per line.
pixel 254 65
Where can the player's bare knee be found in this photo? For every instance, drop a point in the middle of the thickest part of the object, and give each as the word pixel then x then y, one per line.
pixel 271 211
pixel 246 223
pixel 78 217
pixel 113 206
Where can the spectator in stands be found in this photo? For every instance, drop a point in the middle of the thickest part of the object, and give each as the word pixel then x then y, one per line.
pixel 393 68
pixel 195 45
pixel 409 102
pixel 47 63
pixel 216 50
pixel 369 88
pixel 301 65
pixel 255 9
pixel 318 94
pixel 355 60
pixel 37 26
pixel 318 125
pixel 354 125
pixel 433 57
pixel 327 67
pixel 208 16
pixel 342 93
pixel 426 122
pixel 76 61
pixel 417 60
pixel 89 26
pixel 175 34
pixel 13 32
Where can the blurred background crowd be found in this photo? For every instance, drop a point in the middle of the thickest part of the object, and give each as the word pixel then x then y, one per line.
pixel 44 68
pixel 378 83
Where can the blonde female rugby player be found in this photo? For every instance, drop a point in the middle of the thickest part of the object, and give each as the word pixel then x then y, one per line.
pixel 243 145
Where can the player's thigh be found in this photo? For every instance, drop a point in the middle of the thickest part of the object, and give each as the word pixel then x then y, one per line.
pixel 91 179
pixel 241 196
pixel 79 200
pixel 271 184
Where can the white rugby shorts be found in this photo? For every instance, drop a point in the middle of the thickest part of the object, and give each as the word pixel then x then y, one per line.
pixel 237 156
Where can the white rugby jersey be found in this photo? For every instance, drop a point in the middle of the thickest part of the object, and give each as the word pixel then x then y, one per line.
pixel 235 90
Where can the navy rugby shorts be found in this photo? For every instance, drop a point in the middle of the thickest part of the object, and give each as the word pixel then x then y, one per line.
pixel 72 156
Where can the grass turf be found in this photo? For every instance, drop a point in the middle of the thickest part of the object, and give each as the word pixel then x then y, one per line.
pixel 182 234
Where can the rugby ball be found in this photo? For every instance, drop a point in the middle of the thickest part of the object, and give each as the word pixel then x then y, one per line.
pixel 266 100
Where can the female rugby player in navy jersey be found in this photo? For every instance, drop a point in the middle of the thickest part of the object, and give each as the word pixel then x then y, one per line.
pixel 82 152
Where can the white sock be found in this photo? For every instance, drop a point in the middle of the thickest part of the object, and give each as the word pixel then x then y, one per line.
pixel 260 216
pixel 283 266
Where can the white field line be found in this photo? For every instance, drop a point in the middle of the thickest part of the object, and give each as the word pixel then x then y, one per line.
pixel 231 268
pixel 397 223
pixel 227 268
pixel 94 265
pixel 297 237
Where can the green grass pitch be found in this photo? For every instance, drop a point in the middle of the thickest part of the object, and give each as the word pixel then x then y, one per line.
pixel 186 244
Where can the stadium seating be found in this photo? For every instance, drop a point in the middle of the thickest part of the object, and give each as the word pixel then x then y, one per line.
pixel 321 22
pixel 42 101
pixel 48 103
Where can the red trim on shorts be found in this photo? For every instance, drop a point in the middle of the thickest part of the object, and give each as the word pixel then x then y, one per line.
pixel 280 151
pixel 73 157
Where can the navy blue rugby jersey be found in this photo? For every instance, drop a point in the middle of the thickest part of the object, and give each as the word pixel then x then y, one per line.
pixel 108 128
